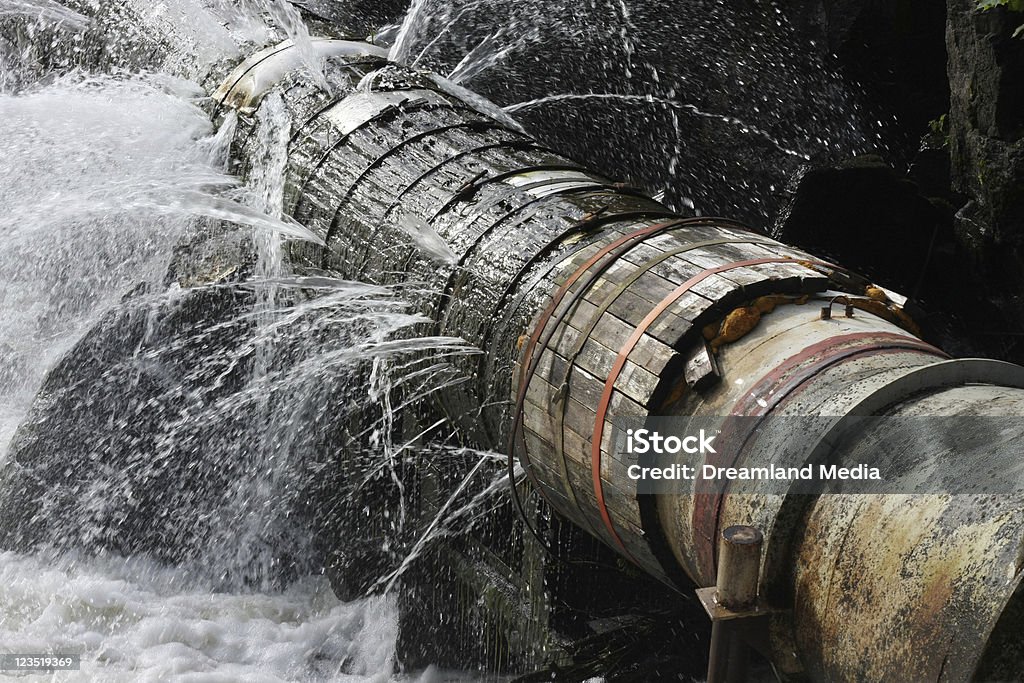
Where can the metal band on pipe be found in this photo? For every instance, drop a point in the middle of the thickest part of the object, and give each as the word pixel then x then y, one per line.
pixel 529 365
pixel 584 336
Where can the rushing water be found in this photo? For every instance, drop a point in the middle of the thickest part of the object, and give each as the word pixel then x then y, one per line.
pixel 175 536
pixel 139 620
pixel 181 551
pixel 655 91
pixel 103 176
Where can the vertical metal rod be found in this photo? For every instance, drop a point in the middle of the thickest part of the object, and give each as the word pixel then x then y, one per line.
pixel 739 567
pixel 718 657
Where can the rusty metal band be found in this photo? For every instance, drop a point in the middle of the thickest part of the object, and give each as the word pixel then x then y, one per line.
pixel 405 106
pixel 782 384
pixel 529 289
pixel 562 388
pixel 747 405
pixel 620 364
pixel 529 363
pixel 546 272
pixel 628 240
pixel 473 187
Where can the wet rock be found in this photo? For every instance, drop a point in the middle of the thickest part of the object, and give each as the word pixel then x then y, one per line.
pixel 986 74
pixel 931 168
pixel 98 464
pixel 867 217
pixel 894 56
pixel 831 21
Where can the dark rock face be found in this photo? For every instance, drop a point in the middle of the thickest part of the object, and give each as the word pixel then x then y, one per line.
pixel 954 237
pixel 986 75
pixel 96 422
pixel 899 232
pixel 892 53
pixel 986 140
pixel 92 467
pixel 184 428
pixel 864 215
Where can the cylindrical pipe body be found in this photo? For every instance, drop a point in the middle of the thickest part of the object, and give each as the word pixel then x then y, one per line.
pixel 586 300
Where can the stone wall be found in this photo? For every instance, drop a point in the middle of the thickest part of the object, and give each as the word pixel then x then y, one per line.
pixel 986 75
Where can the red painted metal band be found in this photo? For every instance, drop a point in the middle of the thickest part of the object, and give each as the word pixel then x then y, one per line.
pixel 528 364
pixel 620 363
pixel 636 235
pixel 747 405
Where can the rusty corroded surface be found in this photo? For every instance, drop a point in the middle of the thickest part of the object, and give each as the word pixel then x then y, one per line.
pixel 587 300
pixel 903 587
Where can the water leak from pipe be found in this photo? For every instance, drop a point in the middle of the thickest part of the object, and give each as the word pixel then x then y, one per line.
pixel 684 107
pixel 177 541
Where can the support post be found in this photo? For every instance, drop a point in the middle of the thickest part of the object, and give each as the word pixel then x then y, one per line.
pixel 733 598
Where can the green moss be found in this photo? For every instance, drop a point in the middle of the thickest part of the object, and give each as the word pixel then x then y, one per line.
pixel 938 131
pixel 1012 5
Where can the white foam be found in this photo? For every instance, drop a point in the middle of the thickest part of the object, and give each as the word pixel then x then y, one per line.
pixel 136 620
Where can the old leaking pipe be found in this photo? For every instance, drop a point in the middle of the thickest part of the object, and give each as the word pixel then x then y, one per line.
pixel 587 300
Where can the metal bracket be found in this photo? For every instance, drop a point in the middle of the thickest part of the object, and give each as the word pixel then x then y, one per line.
pixel 734 603
pixel 253 78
